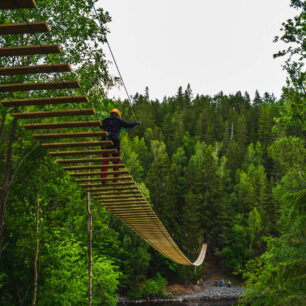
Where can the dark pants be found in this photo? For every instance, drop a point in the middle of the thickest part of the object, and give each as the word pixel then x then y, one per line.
pixel 116 142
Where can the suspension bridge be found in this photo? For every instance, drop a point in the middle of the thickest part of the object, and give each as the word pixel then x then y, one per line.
pixel 83 149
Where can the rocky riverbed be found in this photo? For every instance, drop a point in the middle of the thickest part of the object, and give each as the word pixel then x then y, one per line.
pixel 200 295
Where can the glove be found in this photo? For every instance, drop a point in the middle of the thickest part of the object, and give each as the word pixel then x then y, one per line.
pixel 138 123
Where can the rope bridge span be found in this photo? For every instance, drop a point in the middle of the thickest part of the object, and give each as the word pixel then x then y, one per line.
pixel 119 195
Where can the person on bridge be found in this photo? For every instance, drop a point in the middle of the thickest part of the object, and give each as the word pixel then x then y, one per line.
pixel 112 125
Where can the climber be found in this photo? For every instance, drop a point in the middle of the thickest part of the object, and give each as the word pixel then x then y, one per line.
pixel 112 126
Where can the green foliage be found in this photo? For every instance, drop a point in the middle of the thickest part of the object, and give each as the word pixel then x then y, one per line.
pixel 278 277
pixel 150 288
pixel 293 34
pixel 154 287
pixel 65 275
pixel 211 167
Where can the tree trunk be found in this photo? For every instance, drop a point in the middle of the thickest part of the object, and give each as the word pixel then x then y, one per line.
pixel 5 181
pixel 89 232
pixel 232 131
pixel 2 123
pixel 36 252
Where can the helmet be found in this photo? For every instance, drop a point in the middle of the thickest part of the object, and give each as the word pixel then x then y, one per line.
pixel 116 111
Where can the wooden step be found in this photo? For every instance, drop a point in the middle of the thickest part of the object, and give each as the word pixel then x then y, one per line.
pixel 108 184
pixel 30 50
pixel 77 144
pixel 23 28
pixel 127 206
pixel 120 196
pixel 99 173
pixel 48 114
pixel 134 210
pixel 115 198
pixel 45 101
pixel 131 205
pixel 39 86
pixel 94 167
pixel 22 70
pixel 71 135
pixel 62 125
pixel 118 193
pixel 13 4
pixel 104 179
pixel 130 211
pixel 84 152
pixel 90 160
pixel 131 202
pixel 113 189
pixel 143 206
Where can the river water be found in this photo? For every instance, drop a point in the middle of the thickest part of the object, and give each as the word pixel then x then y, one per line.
pixel 193 303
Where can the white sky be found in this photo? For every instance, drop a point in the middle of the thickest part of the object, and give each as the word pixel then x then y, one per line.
pixel 213 45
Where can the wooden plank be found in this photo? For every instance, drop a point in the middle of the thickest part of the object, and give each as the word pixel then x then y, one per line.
pixel 30 50
pixel 133 214
pixel 118 193
pixel 39 86
pixel 139 221
pixel 130 211
pixel 123 201
pixel 23 28
pixel 84 152
pixel 13 4
pixel 45 101
pixel 104 179
pixel 72 135
pixel 77 144
pixel 108 184
pixel 113 189
pixel 127 205
pixel 62 125
pixel 23 70
pixel 48 114
pixel 99 173
pixel 94 167
pixel 126 214
pixel 137 198
pixel 136 205
pixel 91 160
pixel 113 197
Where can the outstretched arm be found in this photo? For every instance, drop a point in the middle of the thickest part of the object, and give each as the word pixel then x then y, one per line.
pixel 128 125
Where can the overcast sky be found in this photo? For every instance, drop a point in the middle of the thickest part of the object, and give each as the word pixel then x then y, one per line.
pixel 213 45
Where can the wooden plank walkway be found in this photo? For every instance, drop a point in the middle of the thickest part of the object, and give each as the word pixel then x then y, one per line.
pixel 92 160
pixel 120 195
pixel 62 125
pixel 23 70
pixel 72 168
pixel 84 152
pixel 99 173
pixel 77 144
pixel 11 4
pixel 70 135
pixel 48 114
pixel 30 50
pixel 39 86
pixel 23 28
pixel 45 101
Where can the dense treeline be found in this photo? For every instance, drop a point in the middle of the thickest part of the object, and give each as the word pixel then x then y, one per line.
pixel 224 169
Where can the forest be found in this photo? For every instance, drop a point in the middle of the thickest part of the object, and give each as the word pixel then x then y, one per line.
pixel 226 170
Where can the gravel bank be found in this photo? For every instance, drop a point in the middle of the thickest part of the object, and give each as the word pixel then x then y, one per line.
pixel 207 293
